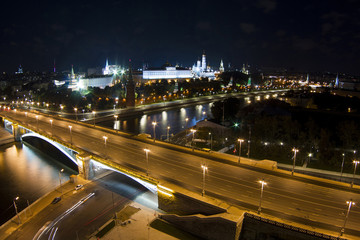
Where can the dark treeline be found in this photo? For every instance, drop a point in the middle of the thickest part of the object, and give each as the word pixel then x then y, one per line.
pixel 276 127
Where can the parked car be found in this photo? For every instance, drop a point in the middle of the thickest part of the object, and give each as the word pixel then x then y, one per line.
pixel 78 187
pixel 56 200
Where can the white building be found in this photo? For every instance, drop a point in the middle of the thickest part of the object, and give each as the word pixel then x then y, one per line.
pixel 200 70
pixel 167 72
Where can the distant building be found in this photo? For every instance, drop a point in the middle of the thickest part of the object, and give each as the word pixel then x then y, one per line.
pixel 130 90
pixel 201 70
pixel 167 71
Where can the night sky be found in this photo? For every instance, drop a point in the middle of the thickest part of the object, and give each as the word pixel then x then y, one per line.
pixel 319 35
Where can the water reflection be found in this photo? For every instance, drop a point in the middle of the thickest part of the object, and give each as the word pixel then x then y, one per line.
pixel 27 173
pixel 176 119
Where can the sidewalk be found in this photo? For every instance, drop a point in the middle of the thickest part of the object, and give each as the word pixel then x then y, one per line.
pixel 28 213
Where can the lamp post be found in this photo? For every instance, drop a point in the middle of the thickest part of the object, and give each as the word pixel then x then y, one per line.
pixel 349 203
pixel 94 113
pixel 249 142
pixel 262 182
pixel 26 114
pixel 37 121
pixel 83 113
pixel 295 151
pixel 62 170
pixel 204 168
pixel 15 111
pixel 154 125
pixel 51 121
pixel 75 109
pixel 17 214
pixel 105 139
pixel 240 141
pixel 61 108
pixel 192 141
pixel 115 124
pixel 342 165
pixel 210 141
pixel 70 134
pixel 355 162
pixel 167 133
pixel 147 160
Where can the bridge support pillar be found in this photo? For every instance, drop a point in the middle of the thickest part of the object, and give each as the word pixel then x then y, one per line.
pixel 83 160
pixel 16 132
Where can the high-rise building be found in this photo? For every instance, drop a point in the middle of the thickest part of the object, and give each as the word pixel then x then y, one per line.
pixel 221 68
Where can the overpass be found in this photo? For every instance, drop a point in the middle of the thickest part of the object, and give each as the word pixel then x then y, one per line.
pixel 287 197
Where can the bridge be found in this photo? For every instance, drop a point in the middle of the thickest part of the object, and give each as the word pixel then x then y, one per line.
pixel 166 168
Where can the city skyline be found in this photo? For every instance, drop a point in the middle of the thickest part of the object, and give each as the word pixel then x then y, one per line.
pixel 300 36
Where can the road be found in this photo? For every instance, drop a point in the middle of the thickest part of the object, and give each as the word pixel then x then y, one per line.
pixel 284 197
pixel 111 193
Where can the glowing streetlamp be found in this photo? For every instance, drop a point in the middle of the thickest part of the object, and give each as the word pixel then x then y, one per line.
pixel 17 214
pixel 75 109
pixel 51 121
pixel 154 125
pixel 240 141
pixel 355 162
pixel 167 133
pixel 186 122
pixel 295 151
pixel 349 203
pixel 26 114
pixel 204 168
pixel 15 111
pixel 105 139
pixel 93 112
pixel 147 160
pixel 262 182
pixel 211 140
pixel 342 164
pixel 115 123
pixel 70 134
pixel 192 141
pixel 61 108
pixel 62 170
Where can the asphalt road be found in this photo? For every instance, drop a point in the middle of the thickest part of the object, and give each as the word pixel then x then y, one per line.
pixel 284 197
pixel 112 193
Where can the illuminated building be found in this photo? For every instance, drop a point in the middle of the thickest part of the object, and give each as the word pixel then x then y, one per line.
pixel 201 70
pixel 111 69
pixel 167 71
pixel 221 68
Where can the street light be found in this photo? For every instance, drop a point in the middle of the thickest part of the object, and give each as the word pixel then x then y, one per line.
pixel 61 108
pixel 75 109
pixel 186 121
pixel 147 160
pixel 51 121
pixel 93 112
pixel 154 125
pixel 204 168
pixel 115 123
pixel 349 203
pixel 105 138
pixel 210 141
pixel 192 141
pixel 355 165
pixel 62 170
pixel 262 182
pixel 26 114
pixel 70 134
pixel 167 133
pixel 240 141
pixel 17 214
pixel 342 164
pixel 295 151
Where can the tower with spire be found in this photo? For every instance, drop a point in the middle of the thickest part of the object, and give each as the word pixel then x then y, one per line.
pixel 203 62
pixel 221 68
pixel 72 76
pixel 130 89
pixel 337 81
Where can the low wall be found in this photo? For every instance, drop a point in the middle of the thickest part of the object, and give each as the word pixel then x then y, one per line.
pixel 208 227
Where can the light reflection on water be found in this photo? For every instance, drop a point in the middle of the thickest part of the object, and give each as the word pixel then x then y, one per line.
pixel 175 119
pixel 27 173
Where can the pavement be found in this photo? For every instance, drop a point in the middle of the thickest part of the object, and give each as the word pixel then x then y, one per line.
pixel 137 226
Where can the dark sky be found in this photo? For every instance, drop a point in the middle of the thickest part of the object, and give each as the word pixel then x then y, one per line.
pixel 318 35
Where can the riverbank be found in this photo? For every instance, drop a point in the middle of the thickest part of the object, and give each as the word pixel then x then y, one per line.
pixel 5 137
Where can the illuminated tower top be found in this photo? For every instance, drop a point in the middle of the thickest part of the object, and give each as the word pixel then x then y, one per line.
pixel 221 68
pixel 72 72
pixel 203 63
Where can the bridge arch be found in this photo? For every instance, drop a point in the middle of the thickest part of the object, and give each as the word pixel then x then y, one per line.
pixel 60 147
